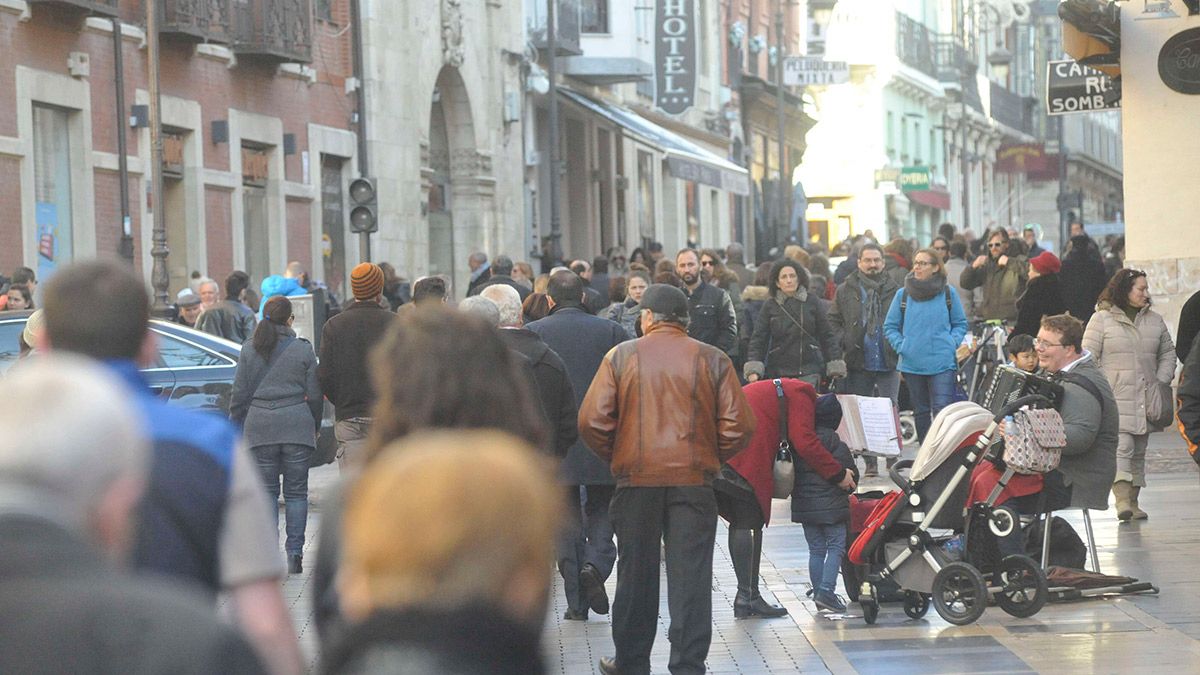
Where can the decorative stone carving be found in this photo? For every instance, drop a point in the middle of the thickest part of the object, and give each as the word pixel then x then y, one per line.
pixel 452 33
pixel 470 163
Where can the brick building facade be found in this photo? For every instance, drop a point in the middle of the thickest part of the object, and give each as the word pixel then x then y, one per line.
pixel 259 145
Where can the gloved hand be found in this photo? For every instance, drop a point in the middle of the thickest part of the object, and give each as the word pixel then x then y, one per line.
pixel 836 368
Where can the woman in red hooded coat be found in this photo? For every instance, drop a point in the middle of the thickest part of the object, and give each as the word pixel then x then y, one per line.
pixel 748 480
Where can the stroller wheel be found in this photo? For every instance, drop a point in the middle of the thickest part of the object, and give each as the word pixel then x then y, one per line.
pixel 868 602
pixel 959 593
pixel 1023 590
pixel 1001 522
pixel 908 427
pixel 916 605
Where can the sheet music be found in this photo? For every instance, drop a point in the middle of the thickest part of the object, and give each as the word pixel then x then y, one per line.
pixel 879 425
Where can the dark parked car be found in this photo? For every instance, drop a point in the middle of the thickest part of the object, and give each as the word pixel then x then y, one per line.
pixel 193 369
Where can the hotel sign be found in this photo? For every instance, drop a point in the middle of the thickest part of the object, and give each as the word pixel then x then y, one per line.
pixel 675 55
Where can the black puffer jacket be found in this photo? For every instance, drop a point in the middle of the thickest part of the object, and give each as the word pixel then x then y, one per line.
pixel 792 337
pixel 815 500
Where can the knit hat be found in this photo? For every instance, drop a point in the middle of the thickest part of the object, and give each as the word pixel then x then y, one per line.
pixel 366 281
pixel 828 412
pixel 667 300
pixel 1046 263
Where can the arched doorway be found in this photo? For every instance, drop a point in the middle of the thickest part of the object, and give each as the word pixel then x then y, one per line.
pixel 451 235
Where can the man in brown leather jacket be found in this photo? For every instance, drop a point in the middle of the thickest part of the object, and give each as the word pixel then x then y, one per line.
pixel 665 411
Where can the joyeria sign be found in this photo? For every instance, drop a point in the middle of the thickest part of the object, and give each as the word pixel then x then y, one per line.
pixel 675 55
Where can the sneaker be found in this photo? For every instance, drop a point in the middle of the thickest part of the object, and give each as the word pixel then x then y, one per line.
pixel 829 601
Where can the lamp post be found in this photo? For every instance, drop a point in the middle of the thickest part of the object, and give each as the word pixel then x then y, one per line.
pixel 785 180
pixel 551 49
pixel 159 279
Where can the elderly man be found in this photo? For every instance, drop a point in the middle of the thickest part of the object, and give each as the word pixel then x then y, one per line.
pixel 1089 411
pixel 188 308
pixel 202 518
pixel 587 552
pixel 664 411
pixel 71 476
pixel 554 389
pixel 209 292
pixel 231 318
pixel 481 270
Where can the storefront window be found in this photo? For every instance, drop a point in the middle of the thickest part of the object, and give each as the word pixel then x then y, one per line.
pixel 645 177
pixel 52 188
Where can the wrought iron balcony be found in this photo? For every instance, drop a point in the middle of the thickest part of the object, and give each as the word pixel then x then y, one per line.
pixel 954 62
pixel 204 20
pixel 97 7
pixel 1012 110
pixel 273 30
pixel 916 45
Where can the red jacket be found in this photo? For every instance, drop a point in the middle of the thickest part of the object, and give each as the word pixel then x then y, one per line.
pixel 756 462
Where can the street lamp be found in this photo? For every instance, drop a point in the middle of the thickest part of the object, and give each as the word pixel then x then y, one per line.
pixel 1000 59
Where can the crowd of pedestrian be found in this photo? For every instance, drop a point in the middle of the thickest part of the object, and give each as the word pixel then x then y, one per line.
pixel 601 415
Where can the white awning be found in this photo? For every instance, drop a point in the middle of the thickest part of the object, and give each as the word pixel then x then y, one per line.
pixel 685 159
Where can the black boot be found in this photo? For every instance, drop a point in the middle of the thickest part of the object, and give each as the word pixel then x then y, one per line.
pixel 741 549
pixel 758 606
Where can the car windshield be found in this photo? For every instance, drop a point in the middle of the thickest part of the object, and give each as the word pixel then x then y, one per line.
pixel 10 347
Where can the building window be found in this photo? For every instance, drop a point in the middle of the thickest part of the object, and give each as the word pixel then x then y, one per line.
pixel 891 136
pixel 645 195
pixel 255 228
pixel 333 225
pixel 52 188
pixel 593 16
pixel 323 9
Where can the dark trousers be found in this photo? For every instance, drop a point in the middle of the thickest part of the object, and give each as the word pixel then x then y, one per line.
pixel 684 519
pixel 291 462
pixel 1055 495
pixel 587 538
pixel 929 394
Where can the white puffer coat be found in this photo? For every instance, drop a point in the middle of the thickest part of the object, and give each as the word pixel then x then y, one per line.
pixel 1134 356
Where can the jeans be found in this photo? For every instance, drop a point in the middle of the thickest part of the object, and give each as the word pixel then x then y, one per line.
pixel 929 394
pixel 292 462
pixel 826 546
pixel 683 520
pixel 587 538
pixel 351 435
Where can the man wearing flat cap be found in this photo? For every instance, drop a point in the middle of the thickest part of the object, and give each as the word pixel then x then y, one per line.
pixel 665 411
pixel 346 341
pixel 187 308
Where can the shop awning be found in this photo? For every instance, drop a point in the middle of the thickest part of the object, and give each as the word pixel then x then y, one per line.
pixel 685 159
pixel 934 197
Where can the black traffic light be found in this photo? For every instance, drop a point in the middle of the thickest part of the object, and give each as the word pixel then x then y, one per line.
pixel 364 207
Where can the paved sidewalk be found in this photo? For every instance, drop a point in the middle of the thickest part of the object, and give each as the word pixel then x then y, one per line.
pixel 1110 635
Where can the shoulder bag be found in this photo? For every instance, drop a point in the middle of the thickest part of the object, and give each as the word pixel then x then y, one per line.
pixel 785 468
pixel 1034 440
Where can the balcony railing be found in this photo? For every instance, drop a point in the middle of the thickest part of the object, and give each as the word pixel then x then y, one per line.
pixel 953 60
pixel 98 7
pixel 916 45
pixel 567 15
pixel 204 20
pixel 273 30
pixel 1012 110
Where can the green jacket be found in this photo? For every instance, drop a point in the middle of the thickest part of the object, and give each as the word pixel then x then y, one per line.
pixel 1001 287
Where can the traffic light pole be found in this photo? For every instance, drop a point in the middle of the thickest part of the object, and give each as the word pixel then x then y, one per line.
pixel 360 96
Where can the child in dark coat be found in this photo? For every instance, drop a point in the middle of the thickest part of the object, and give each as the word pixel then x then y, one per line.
pixel 824 508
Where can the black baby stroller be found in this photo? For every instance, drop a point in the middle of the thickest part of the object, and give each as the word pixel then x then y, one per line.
pixel 913 534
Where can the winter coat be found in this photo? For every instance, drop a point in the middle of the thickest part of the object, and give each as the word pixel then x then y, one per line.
pixel 756 463
pixel 1001 287
pixel 581 340
pixel 792 337
pixel 68 610
pixel 847 316
pixel 1081 280
pixel 287 406
pixel 895 266
pixel 1188 396
pixel 665 410
pixel 1188 326
pixel 346 341
pixel 753 299
pixel 419 640
pixel 969 298
pixel 1042 297
pixel 745 275
pixel 627 314
pixel 1134 356
pixel 228 319
pixel 277 284
pixel 818 501
pixel 712 318
pixel 927 341
pixel 553 385
pixel 1089 460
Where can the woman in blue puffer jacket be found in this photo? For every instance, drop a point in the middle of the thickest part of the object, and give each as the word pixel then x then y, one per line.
pixel 925 325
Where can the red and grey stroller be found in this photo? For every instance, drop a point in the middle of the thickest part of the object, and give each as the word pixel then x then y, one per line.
pixel 912 536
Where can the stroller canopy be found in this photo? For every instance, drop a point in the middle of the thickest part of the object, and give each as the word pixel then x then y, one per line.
pixel 953 425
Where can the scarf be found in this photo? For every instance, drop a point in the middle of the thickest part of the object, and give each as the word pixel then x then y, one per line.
pixel 924 290
pixel 873 309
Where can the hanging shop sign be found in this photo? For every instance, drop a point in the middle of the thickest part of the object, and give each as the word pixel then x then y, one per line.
pixel 1073 88
pixel 1021 158
pixel 1179 62
pixel 804 71
pixel 675 55
pixel 913 178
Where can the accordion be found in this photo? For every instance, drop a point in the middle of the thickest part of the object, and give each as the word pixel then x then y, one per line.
pixel 1009 383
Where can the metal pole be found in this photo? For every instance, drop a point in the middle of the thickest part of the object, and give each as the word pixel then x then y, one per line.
pixel 551 72
pixel 1064 227
pixel 360 102
pixel 126 246
pixel 158 275
pixel 785 179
